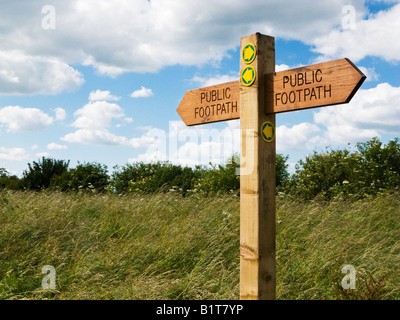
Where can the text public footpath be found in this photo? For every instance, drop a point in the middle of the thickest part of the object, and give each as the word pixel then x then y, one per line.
pixel 213 105
pixel 303 94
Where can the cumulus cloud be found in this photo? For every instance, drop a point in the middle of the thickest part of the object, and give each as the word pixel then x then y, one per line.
pixel 102 95
pixel 374 36
pixel 60 113
pixel 21 73
pixel 94 136
pixel 142 93
pixel 97 114
pixel 13 154
pixel 190 146
pixel 371 112
pixel 205 82
pixel 298 137
pixel 56 146
pixel 94 121
pixel 145 36
pixel 16 118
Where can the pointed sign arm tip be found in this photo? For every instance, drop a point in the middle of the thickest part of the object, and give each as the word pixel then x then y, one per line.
pixel 363 77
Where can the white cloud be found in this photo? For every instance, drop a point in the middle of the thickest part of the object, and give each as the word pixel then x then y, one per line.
pixel 94 136
pixel 42 154
pixel 192 145
pixel 371 112
pixel 21 73
pixel 298 137
pixel 56 146
pixel 97 114
pixel 60 113
pixel 370 73
pixel 142 93
pixel 281 67
pixel 13 154
pixel 102 95
pixel 145 36
pixel 104 137
pixel 16 118
pixel 93 121
pixel 375 36
pixel 205 82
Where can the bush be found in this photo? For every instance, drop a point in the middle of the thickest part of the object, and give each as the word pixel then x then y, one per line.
pixel 379 164
pixel 282 174
pixel 86 176
pixel 223 179
pixel 9 182
pixel 219 179
pixel 39 174
pixel 325 173
pixel 374 167
pixel 152 177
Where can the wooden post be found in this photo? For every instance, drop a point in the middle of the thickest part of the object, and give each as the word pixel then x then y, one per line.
pixel 256 98
pixel 257 175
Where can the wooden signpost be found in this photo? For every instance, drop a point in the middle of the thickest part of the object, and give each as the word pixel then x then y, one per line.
pixel 210 104
pixel 318 85
pixel 255 99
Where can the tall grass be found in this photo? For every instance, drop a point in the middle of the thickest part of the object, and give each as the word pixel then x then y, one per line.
pixel 169 247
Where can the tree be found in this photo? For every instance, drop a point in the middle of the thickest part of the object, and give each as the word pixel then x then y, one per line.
pixel 327 173
pixel 7 181
pixel 39 174
pixel 380 164
pixel 85 176
pixel 282 174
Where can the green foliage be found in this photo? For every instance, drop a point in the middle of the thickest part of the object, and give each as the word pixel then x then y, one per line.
pixel 9 182
pixel 325 173
pixel 85 176
pixel 152 177
pixel 225 178
pixel 380 164
pixel 39 174
pixel 282 174
pixel 370 169
pixel 219 179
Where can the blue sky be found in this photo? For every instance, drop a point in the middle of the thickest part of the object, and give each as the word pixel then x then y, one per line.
pixel 100 81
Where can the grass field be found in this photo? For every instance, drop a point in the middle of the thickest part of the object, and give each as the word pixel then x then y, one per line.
pixel 168 247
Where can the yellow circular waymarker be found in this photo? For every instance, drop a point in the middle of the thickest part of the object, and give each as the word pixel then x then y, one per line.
pixel 268 131
pixel 248 76
pixel 248 53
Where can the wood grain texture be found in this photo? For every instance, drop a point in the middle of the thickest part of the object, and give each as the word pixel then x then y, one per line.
pixel 257 180
pixel 318 85
pixel 210 104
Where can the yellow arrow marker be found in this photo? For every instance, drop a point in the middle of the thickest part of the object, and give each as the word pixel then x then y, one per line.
pixel 248 53
pixel 248 76
pixel 268 131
